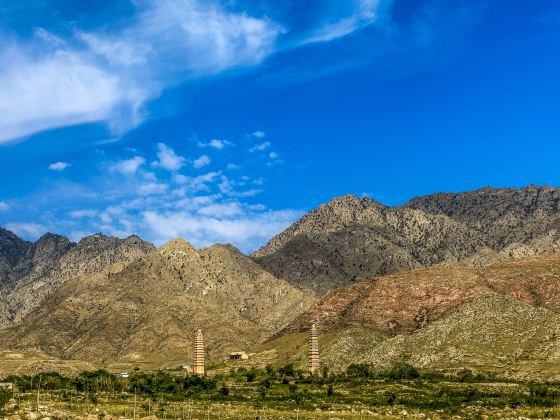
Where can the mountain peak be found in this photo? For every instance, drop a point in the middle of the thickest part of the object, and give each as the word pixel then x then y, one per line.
pixel 353 200
pixel 227 247
pixel 51 238
pixel 178 244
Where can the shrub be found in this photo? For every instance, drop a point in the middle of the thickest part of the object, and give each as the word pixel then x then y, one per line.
pixel 5 396
pixel 224 390
pixel 251 375
pixel 287 370
pixel 359 370
pixel 391 397
pixel 404 371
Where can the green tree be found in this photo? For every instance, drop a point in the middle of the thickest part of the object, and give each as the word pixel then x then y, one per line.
pixel 224 390
pixel 359 370
pixel 251 375
pixel 287 370
pixel 404 371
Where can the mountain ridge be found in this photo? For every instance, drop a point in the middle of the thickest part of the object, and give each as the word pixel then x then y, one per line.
pixel 150 308
pixel 350 239
pixel 373 277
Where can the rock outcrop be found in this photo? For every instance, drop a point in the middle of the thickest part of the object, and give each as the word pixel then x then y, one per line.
pixel 350 239
pixel 33 271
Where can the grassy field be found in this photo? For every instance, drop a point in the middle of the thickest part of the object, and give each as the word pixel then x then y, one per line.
pixel 283 393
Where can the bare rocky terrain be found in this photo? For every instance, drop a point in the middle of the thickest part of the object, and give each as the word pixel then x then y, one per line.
pixel 150 308
pixel 350 239
pixel 33 271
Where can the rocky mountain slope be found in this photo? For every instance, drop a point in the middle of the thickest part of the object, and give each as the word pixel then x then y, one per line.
pixel 149 309
pixel 519 221
pixel 504 319
pixel 350 239
pixel 33 271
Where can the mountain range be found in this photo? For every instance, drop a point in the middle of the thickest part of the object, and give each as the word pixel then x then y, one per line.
pixel 350 239
pixel 148 304
pixel 446 280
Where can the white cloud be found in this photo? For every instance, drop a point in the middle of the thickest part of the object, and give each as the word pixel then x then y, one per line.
pixel 59 166
pixel 200 183
pixel 152 188
pixel 27 230
pixel 107 76
pixel 117 51
pixel 203 37
pixel 168 159
pixel 273 155
pixel 261 147
pixel 80 214
pixel 180 179
pixel 201 162
pixel 221 210
pixel 232 166
pixel 362 13
pixel 128 167
pixel 4 206
pixel 44 91
pixel 246 228
pixel 216 144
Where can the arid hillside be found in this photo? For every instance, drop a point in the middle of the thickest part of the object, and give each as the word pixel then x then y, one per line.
pixel 149 309
pixel 503 318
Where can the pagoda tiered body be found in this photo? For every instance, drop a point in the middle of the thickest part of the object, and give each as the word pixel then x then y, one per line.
pixel 198 367
pixel 314 363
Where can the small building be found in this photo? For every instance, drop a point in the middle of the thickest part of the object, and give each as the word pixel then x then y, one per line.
pixel 122 375
pixel 238 355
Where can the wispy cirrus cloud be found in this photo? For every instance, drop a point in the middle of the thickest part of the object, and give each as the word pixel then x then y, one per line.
pixel 108 76
pixel 63 87
pixel 359 14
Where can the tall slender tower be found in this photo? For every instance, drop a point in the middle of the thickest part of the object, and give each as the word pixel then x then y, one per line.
pixel 313 364
pixel 199 354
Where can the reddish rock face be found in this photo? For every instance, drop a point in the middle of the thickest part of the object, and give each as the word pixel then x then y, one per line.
pixel 534 280
pixel 407 301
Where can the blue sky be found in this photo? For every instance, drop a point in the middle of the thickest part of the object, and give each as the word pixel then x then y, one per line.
pixel 224 121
